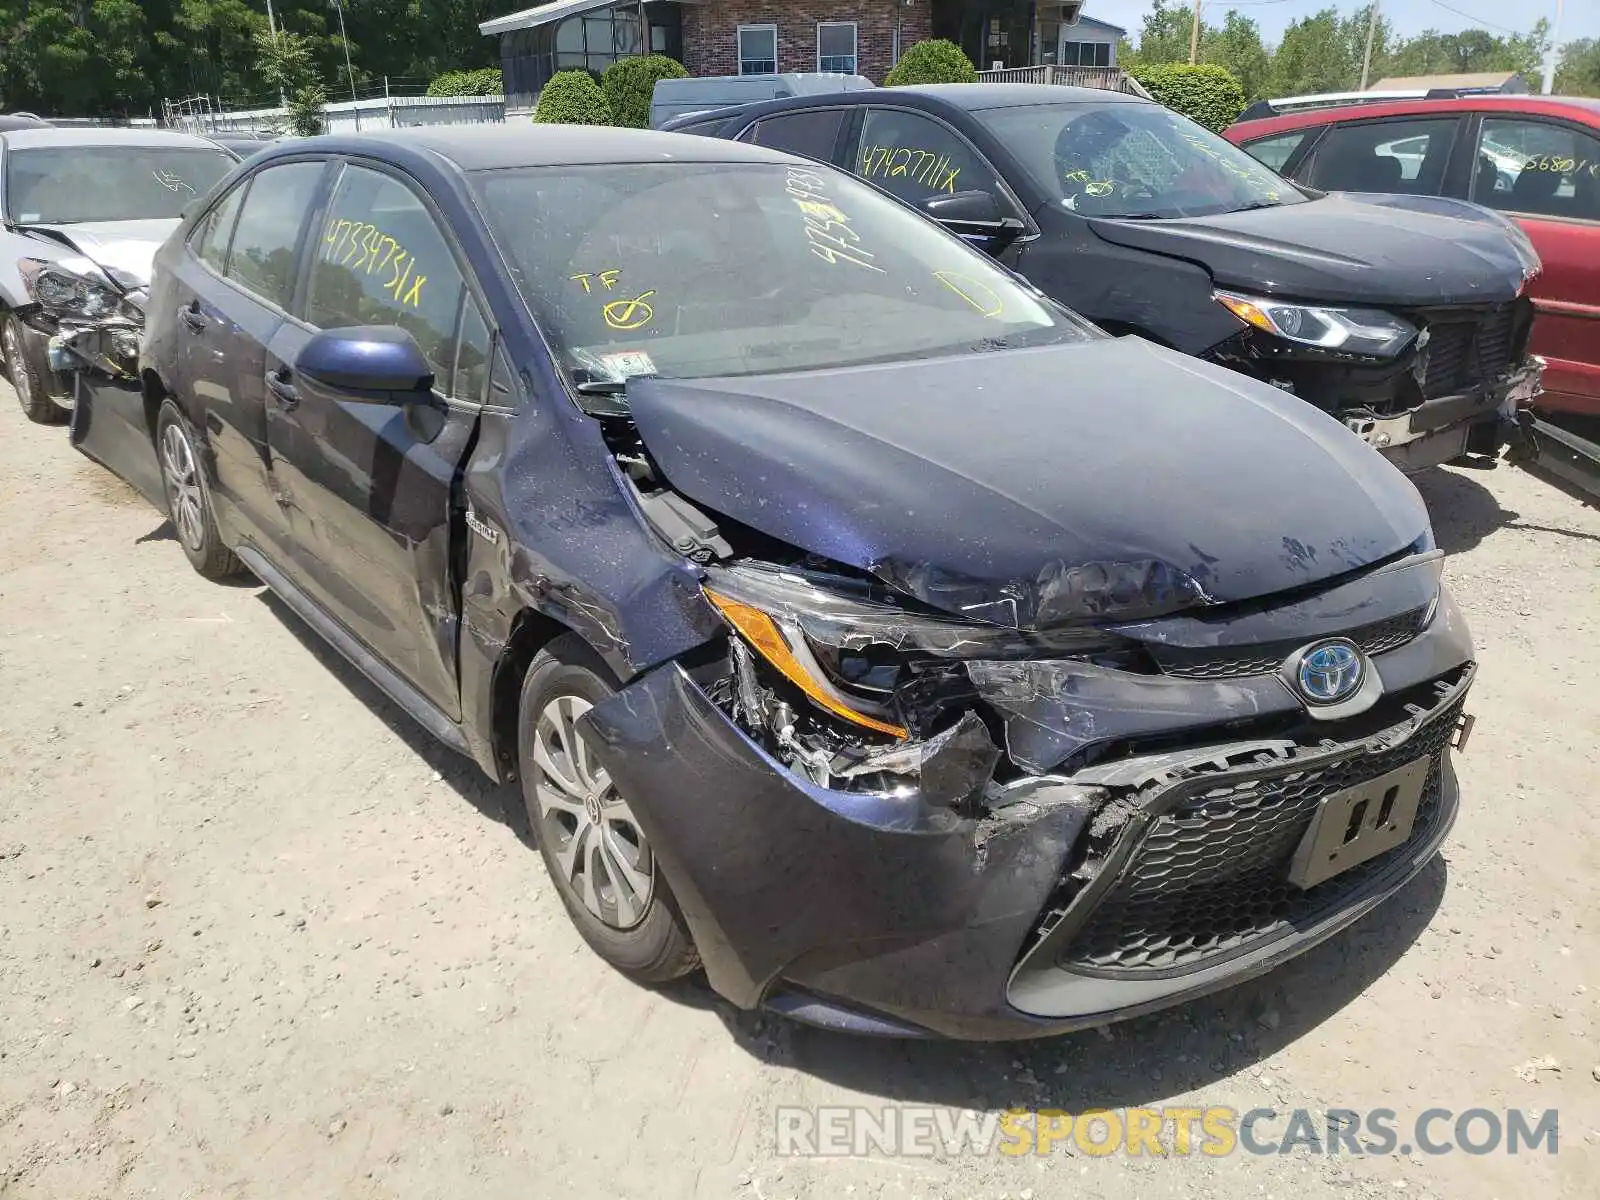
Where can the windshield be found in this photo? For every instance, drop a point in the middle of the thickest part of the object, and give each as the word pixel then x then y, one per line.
pixel 1134 160
pixel 63 185
pixel 688 269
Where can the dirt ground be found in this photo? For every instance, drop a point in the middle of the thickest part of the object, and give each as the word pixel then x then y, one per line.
pixel 259 937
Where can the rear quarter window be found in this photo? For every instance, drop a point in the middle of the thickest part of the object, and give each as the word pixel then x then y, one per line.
pixel 1276 151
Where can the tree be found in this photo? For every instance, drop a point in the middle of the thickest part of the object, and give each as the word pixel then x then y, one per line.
pixel 284 61
pixel 1164 37
pixel 1314 56
pixel 1237 48
pixel 935 61
pixel 1204 92
pixel 629 85
pixel 572 98
pixel 305 110
pixel 1579 72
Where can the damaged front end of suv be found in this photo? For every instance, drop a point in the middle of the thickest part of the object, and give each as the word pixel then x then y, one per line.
pixel 93 316
pixel 1026 758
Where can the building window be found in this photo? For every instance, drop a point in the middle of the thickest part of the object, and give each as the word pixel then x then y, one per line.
pixel 836 47
pixel 1086 54
pixel 758 49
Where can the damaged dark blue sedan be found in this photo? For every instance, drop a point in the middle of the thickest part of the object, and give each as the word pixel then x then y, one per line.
pixel 862 626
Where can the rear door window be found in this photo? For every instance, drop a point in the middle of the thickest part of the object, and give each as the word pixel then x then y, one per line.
pixel 1538 168
pixel 215 230
pixel 262 259
pixel 810 134
pixel 1404 155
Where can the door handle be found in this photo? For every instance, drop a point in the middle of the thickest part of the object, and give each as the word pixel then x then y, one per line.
pixel 192 319
pixel 285 392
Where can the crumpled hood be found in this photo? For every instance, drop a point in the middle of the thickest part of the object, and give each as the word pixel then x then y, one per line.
pixel 1106 479
pixel 129 247
pixel 1378 251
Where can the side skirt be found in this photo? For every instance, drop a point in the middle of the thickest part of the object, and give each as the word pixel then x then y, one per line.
pixel 417 706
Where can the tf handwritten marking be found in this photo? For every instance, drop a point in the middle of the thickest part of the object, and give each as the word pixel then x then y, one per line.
pixel 607 278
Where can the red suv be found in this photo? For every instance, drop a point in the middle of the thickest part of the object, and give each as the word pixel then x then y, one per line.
pixel 1534 158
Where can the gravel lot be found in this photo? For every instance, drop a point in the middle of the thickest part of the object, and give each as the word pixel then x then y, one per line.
pixel 259 937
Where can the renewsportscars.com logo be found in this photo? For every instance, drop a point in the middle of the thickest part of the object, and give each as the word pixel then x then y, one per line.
pixel 928 1131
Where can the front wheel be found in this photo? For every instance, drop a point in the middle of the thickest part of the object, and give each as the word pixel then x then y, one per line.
pixel 30 383
pixel 588 836
pixel 188 497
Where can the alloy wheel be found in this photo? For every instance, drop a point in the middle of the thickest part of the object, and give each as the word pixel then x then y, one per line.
pixel 181 475
pixel 16 369
pixel 589 827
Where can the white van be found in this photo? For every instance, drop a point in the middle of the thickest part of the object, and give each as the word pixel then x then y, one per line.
pixel 682 97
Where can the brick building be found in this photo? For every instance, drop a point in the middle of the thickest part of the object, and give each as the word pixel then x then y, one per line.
pixel 755 37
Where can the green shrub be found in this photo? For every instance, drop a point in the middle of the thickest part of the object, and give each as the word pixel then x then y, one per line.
pixel 305 110
pixel 451 83
pixel 485 81
pixel 572 98
pixel 629 83
pixel 1209 94
pixel 938 61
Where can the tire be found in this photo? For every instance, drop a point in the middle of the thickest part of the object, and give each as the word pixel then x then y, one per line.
pixel 635 928
pixel 189 496
pixel 30 383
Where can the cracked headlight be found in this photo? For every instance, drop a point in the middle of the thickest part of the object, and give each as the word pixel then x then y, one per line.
pixel 69 287
pixel 849 646
pixel 1352 330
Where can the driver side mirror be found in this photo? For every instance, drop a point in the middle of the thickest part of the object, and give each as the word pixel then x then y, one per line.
pixel 975 215
pixel 967 207
pixel 367 358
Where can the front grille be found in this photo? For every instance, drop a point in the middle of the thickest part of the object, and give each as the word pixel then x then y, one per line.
pixel 1208 880
pixel 1263 658
pixel 1467 349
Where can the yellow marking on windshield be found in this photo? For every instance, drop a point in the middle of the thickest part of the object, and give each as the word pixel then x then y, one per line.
pixel 606 278
pixel 827 226
pixel 629 314
pixel 983 298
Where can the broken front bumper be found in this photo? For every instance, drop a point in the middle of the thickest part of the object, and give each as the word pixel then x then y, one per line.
pixel 1479 422
pixel 891 914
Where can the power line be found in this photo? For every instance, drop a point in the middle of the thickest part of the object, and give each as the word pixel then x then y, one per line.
pixel 1475 20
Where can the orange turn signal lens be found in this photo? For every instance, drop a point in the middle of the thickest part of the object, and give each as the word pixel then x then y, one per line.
pixel 762 632
pixel 1246 312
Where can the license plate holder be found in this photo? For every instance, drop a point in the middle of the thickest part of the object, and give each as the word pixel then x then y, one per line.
pixel 1358 823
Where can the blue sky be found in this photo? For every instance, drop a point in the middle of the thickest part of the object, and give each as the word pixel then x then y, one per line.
pixel 1581 18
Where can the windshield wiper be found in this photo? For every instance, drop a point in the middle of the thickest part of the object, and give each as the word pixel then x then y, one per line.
pixel 603 387
pixel 1255 204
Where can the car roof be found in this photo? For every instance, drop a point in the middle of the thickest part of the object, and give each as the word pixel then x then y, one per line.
pixel 54 135
pixel 975 96
pixel 969 97
pixel 1585 110
pixel 524 144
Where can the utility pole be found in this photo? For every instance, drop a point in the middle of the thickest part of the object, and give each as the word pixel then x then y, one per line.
pixel 349 71
pixel 1366 58
pixel 1194 34
pixel 272 28
pixel 1554 54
